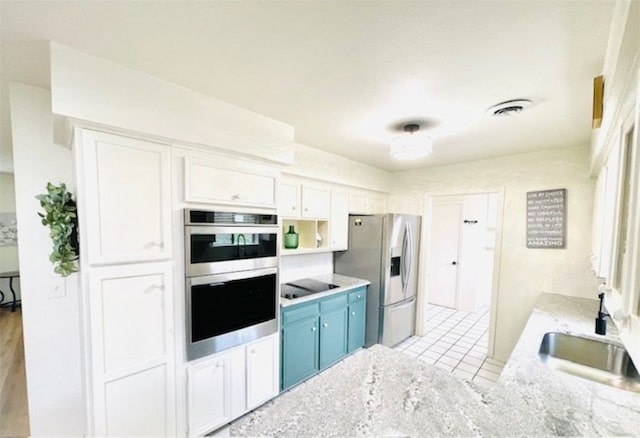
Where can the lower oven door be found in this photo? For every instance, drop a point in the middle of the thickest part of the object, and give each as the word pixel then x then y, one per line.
pixel 226 310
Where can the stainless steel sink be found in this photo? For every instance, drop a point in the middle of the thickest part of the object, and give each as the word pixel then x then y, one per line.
pixel 591 359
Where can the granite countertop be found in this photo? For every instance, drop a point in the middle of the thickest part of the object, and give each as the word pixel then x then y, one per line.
pixel 379 391
pixel 345 283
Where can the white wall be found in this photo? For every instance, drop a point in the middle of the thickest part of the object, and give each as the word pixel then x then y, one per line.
pixel 295 267
pixel 315 163
pixel 524 273
pixel 50 305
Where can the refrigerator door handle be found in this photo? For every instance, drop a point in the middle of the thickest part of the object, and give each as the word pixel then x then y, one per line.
pixel 409 253
pixel 403 262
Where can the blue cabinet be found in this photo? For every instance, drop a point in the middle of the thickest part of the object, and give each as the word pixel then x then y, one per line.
pixel 357 312
pixel 333 336
pixel 299 351
pixel 317 333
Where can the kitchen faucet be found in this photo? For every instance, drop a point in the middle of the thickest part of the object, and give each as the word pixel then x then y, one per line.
pixel 601 322
pixel 244 243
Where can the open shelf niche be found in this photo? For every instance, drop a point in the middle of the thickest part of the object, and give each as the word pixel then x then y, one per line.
pixel 307 231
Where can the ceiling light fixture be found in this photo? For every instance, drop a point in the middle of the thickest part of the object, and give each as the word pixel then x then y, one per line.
pixel 411 145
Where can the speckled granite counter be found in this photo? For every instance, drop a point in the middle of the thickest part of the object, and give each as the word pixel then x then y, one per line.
pixel 345 283
pixel 381 392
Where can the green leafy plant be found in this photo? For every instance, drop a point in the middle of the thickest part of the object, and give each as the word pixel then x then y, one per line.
pixel 59 215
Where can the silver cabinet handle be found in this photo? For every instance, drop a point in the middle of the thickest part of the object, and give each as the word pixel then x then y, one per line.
pixel 156 244
pixel 359 296
pixel 235 197
pixel 353 313
pixel 293 208
pixel 253 351
pixel 325 325
pixel 313 329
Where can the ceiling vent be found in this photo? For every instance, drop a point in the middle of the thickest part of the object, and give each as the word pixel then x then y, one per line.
pixel 509 107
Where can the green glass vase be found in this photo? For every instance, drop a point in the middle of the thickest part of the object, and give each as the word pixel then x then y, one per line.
pixel 291 238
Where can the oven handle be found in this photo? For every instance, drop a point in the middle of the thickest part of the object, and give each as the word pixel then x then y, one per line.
pixel 231 230
pixel 230 276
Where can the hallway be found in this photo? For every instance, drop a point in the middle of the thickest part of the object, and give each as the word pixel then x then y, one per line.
pixel 456 341
pixel 14 414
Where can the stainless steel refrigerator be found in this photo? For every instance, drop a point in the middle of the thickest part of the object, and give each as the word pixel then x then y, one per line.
pixel 384 250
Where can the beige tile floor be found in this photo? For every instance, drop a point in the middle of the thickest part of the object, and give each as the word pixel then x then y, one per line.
pixel 456 341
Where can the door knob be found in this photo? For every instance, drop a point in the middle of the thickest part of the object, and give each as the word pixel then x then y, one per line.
pixel 454 263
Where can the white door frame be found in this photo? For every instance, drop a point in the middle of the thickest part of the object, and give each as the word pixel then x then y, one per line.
pixel 424 255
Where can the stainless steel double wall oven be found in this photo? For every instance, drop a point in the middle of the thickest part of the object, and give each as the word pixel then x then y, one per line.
pixel 231 266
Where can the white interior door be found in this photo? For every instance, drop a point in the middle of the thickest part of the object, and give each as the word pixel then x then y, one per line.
pixel 444 249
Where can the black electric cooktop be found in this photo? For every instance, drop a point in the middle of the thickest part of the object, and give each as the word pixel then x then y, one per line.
pixel 302 288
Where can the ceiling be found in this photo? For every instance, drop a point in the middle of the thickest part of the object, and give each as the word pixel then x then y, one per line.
pixel 346 74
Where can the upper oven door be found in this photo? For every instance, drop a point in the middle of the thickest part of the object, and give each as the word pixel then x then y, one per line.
pixel 219 249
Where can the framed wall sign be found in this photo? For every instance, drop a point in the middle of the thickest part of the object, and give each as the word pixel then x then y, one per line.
pixel 547 219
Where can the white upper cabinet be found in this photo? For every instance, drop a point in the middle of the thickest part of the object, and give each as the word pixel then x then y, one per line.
pixel 299 200
pixel 339 221
pixel 125 189
pixel 316 202
pixel 289 200
pixel 216 183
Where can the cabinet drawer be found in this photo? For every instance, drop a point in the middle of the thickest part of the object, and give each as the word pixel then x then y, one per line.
pixel 333 303
pixel 357 295
pixel 289 316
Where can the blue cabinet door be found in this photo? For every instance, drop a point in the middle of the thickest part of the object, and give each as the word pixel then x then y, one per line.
pixel 333 336
pixel 357 313
pixel 299 351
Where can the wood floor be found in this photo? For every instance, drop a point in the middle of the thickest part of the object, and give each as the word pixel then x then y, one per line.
pixel 14 414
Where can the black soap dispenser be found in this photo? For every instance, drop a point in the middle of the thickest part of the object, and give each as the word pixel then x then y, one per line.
pixel 601 322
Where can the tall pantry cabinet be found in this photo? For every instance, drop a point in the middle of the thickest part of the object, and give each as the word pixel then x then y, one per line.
pixel 124 210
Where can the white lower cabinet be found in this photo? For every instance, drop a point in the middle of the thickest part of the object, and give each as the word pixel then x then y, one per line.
pixel 211 391
pixel 263 369
pixel 132 371
pixel 137 405
pixel 227 385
